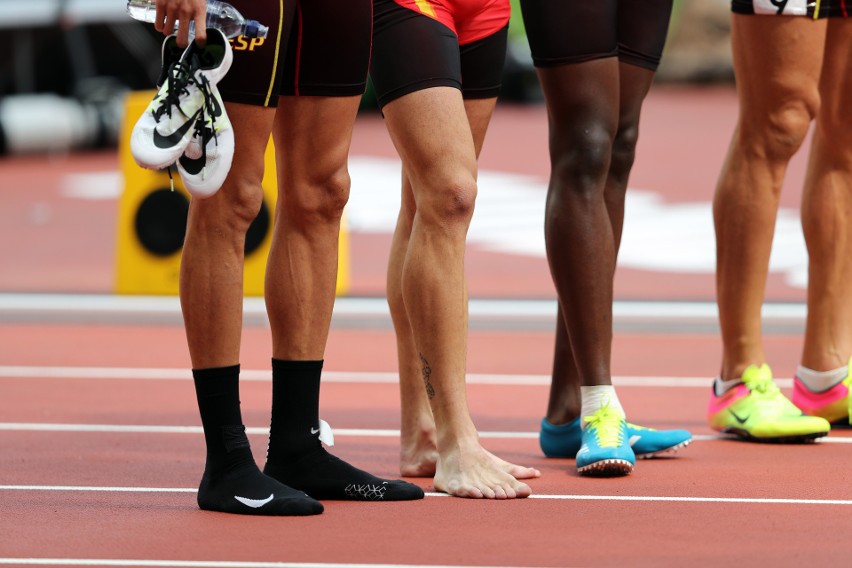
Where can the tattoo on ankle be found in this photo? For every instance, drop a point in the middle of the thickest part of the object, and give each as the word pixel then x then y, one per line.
pixel 427 372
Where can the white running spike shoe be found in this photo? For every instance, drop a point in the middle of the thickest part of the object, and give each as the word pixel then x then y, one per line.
pixel 207 160
pixel 187 99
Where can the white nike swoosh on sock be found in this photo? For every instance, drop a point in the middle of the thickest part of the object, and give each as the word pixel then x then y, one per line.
pixel 254 503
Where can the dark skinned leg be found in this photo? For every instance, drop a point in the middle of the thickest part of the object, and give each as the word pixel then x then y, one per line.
pixel 634 83
pixel 583 103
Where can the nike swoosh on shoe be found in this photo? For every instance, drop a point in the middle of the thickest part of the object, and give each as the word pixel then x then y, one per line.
pixel 192 165
pixel 175 137
pixel 254 503
pixel 738 419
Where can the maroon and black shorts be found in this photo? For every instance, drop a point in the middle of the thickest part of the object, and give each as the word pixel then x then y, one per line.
pixel 313 48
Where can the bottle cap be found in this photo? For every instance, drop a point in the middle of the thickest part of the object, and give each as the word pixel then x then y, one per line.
pixel 254 28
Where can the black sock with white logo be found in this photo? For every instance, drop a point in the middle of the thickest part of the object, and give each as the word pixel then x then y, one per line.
pixel 232 482
pixel 296 456
pixel 295 409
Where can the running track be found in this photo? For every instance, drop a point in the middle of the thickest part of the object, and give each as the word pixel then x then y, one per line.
pixel 102 451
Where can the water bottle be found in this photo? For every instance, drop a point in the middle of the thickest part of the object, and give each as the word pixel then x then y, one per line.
pixel 219 15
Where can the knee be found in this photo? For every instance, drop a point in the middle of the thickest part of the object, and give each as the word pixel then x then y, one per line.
pixel 833 140
pixel 246 203
pixel 624 150
pixel 581 159
pixel 233 209
pixel 448 200
pixel 780 133
pixel 319 199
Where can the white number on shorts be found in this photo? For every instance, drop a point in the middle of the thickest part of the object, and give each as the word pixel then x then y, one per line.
pixel 781 7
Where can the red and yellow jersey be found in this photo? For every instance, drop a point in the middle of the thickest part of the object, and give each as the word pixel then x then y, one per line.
pixel 471 20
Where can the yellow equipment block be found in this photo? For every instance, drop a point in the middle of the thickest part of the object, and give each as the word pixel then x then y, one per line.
pixel 152 220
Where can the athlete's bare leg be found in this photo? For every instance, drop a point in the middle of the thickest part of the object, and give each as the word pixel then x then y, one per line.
pixel 634 82
pixel 418 446
pixel 827 210
pixel 431 133
pixel 777 61
pixel 211 277
pixel 312 137
pixel 583 114
pixel 302 268
pixel 418 440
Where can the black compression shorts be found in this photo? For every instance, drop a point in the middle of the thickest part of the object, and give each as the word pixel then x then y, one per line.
pixel 412 52
pixel 314 48
pixel 575 31
pixel 811 8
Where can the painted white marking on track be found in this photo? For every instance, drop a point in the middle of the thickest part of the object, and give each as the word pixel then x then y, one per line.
pixel 345 432
pixel 368 377
pixel 658 235
pixel 210 563
pixel 639 498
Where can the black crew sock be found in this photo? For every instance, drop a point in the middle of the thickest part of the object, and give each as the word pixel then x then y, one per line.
pixel 296 456
pixel 294 430
pixel 232 482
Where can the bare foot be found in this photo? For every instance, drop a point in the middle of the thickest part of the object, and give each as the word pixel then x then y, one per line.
pixel 420 462
pixel 516 471
pixel 420 459
pixel 418 454
pixel 471 471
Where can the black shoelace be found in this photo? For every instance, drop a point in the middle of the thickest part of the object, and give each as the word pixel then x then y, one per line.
pixel 201 127
pixel 178 80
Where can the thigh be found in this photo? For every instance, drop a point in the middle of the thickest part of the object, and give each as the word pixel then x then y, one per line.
pixel 836 80
pixel 312 137
pixel 570 31
pixel 431 133
pixel 642 29
pixel 479 113
pixel 411 52
pixel 777 62
pixel 328 52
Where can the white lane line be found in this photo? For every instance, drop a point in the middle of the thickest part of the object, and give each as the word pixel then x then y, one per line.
pixel 640 498
pixel 345 432
pixel 670 499
pixel 86 304
pixel 738 500
pixel 211 563
pixel 153 429
pixel 378 377
pixel 373 311
pixel 98 489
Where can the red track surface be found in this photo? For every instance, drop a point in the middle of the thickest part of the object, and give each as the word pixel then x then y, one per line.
pixel 57 244
pixel 67 244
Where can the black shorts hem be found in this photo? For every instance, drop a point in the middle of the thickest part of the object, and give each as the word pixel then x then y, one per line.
pixel 248 98
pixel 482 93
pixel 637 58
pixel 417 86
pixel 571 59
